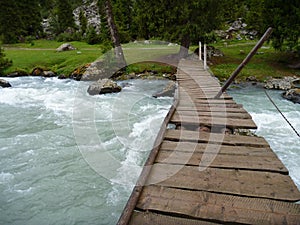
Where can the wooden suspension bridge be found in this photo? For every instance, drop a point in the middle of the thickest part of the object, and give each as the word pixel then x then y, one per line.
pixel 202 173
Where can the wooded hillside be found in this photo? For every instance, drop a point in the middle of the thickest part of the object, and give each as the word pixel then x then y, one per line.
pixel 178 21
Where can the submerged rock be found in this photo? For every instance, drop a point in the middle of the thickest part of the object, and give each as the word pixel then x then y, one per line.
pixel 4 83
pixel 104 86
pixel 292 95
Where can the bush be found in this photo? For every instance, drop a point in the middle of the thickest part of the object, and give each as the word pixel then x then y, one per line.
pixel 4 62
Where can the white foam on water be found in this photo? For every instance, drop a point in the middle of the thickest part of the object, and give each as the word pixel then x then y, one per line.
pixel 25 191
pixel 273 127
pixel 43 163
pixel 6 177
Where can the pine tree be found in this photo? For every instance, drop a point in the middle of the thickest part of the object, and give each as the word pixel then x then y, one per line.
pixel 176 20
pixel 122 10
pixel 284 17
pixel 10 21
pixel 19 19
pixel 62 17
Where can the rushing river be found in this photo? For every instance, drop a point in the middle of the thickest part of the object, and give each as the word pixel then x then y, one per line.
pixel 272 126
pixel 70 158
pixel 45 175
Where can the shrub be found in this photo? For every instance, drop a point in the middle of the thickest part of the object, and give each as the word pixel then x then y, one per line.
pixel 4 62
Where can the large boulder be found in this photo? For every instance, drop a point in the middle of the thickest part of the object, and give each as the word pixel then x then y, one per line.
pixel 78 72
pixel 102 69
pixel 104 86
pixel 168 91
pixel 4 83
pixel 65 47
pixel 292 95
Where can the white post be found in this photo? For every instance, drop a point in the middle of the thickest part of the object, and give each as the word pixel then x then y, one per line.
pixel 200 51
pixel 205 57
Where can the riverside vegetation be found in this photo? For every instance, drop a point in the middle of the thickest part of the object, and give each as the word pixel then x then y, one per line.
pixel 42 53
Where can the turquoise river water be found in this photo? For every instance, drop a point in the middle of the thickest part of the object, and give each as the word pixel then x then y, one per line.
pixel 70 158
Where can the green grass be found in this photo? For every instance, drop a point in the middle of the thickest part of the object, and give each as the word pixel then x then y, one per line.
pixel 265 64
pixel 51 44
pixel 60 62
pixel 160 68
pixel 42 53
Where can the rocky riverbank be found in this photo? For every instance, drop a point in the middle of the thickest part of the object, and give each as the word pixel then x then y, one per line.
pixel 290 86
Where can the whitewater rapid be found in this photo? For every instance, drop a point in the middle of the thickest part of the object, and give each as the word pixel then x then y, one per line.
pixel 47 135
pixel 70 158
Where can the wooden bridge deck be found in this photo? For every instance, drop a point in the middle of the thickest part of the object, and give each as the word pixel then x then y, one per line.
pixel 201 173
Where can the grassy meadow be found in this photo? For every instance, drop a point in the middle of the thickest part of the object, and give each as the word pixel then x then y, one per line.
pixel 266 63
pixel 42 53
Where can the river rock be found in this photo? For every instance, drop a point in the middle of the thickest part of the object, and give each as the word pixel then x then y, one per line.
pixel 168 91
pixel 280 84
pixel 62 77
pixel 78 72
pixel 49 74
pixel 296 83
pixel 104 86
pixel 65 47
pixel 17 74
pixel 292 95
pixel 42 73
pixel 4 83
pixel 37 72
pixel 94 72
pixel 102 69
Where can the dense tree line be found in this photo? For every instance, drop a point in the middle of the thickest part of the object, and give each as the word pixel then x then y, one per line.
pixel 179 21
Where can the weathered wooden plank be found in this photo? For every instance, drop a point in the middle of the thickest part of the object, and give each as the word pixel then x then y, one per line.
pixel 244 168
pixel 208 101
pixel 189 104
pixel 151 218
pixel 218 207
pixel 228 181
pixel 199 87
pixel 191 147
pixel 211 121
pixel 208 108
pixel 260 163
pixel 215 114
pixel 203 95
pixel 203 137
